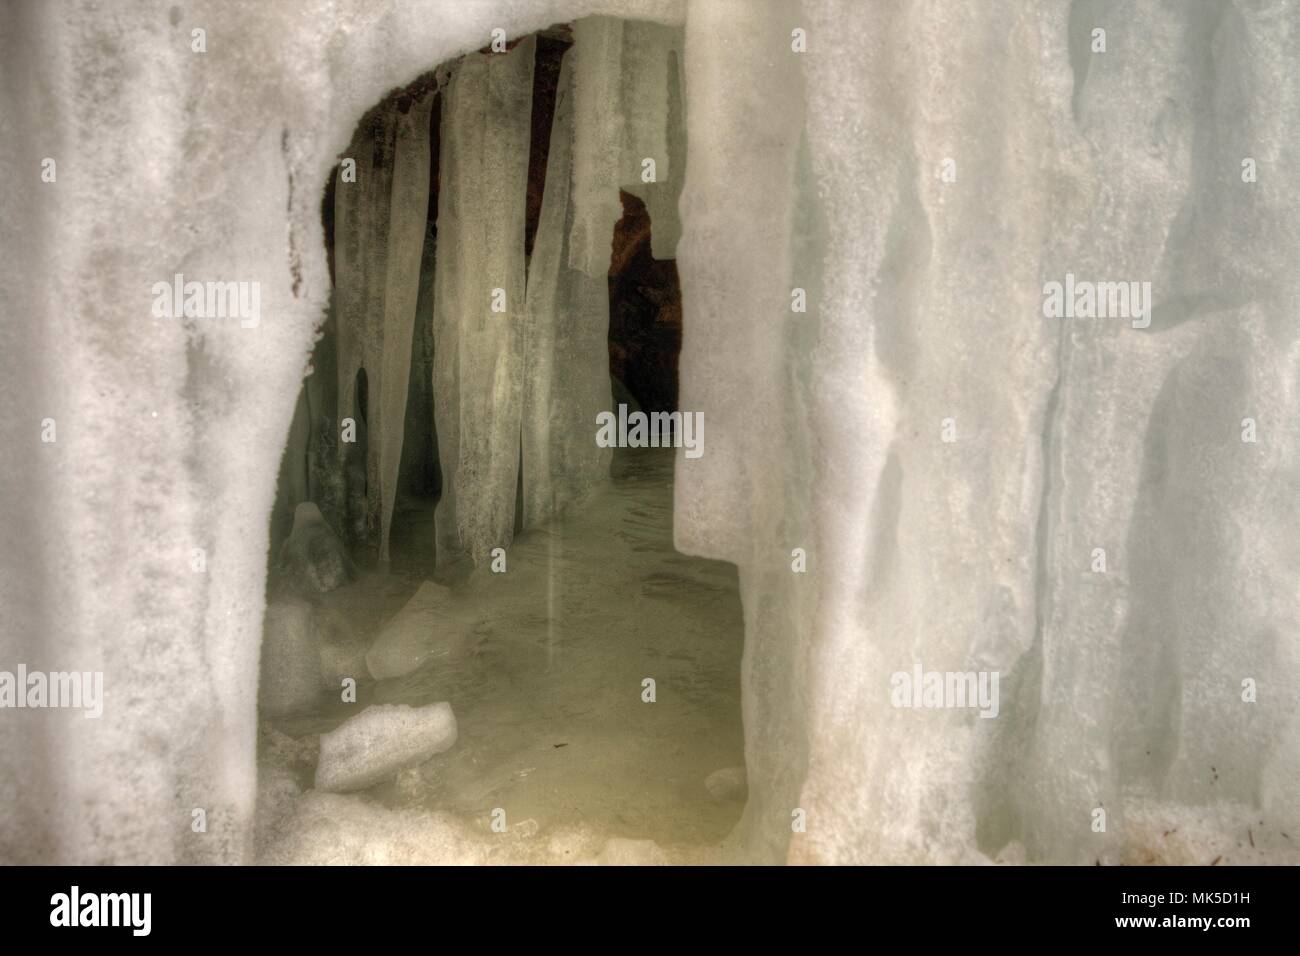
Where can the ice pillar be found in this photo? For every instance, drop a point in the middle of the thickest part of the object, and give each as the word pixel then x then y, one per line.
pixel 479 299
pixel 379 237
pixel 406 233
pixel 565 336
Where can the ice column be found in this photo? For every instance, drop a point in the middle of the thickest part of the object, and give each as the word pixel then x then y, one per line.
pixel 736 263
pixel 652 110
pixel 565 335
pixel 360 270
pixel 479 298
pixel 379 236
pixel 409 212
pixel 598 138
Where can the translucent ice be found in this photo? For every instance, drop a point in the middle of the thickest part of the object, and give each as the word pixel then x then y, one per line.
pixel 564 345
pixel 479 298
pixel 374 745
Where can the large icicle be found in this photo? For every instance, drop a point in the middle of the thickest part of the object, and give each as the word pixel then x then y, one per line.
pixel 565 345
pixel 628 89
pixel 360 268
pixel 662 198
pixel 598 141
pixel 478 370
pixel 652 109
pixel 409 212
pixel 379 229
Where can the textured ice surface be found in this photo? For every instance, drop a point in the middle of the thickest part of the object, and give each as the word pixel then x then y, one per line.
pixel 381 740
pixel 313 558
pixel 379 237
pixel 565 349
pixel 628 109
pixel 427 628
pixel 478 306
pixel 290 678
pixel 1119 689
pixel 822 171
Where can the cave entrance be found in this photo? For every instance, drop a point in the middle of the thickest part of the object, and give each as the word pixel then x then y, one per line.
pixel 496 288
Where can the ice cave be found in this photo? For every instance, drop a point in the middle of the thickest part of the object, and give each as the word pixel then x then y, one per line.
pixel 650 431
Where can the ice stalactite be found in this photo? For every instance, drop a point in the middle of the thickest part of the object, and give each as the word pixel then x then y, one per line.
pixel 564 344
pixel 360 269
pixel 652 112
pixel 406 236
pixel 379 236
pixel 479 299
pixel 597 141
pixel 628 88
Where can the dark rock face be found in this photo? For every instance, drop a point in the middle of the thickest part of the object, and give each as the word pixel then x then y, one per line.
pixel 645 312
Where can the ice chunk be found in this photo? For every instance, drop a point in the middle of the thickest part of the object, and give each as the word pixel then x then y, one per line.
pixel 430 626
pixel 479 299
pixel 374 745
pixel 312 558
pixel 342 657
pixel 728 784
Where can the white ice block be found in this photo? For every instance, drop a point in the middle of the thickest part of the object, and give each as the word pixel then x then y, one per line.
pixel 378 742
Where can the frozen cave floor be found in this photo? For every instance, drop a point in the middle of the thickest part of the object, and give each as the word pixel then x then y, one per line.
pixel 546 684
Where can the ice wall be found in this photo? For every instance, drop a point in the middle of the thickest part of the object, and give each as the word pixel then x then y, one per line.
pixel 210 164
pixel 478 309
pixel 823 170
pixel 960 457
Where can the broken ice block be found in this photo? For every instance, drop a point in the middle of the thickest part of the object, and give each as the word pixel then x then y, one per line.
pixel 424 629
pixel 374 745
pixel 313 558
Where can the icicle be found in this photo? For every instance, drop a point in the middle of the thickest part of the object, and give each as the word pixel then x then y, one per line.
pixel 479 298
pixel 654 141
pixel 662 198
pixel 565 345
pixel 409 212
pixel 646 51
pixel 597 142
pixel 361 252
